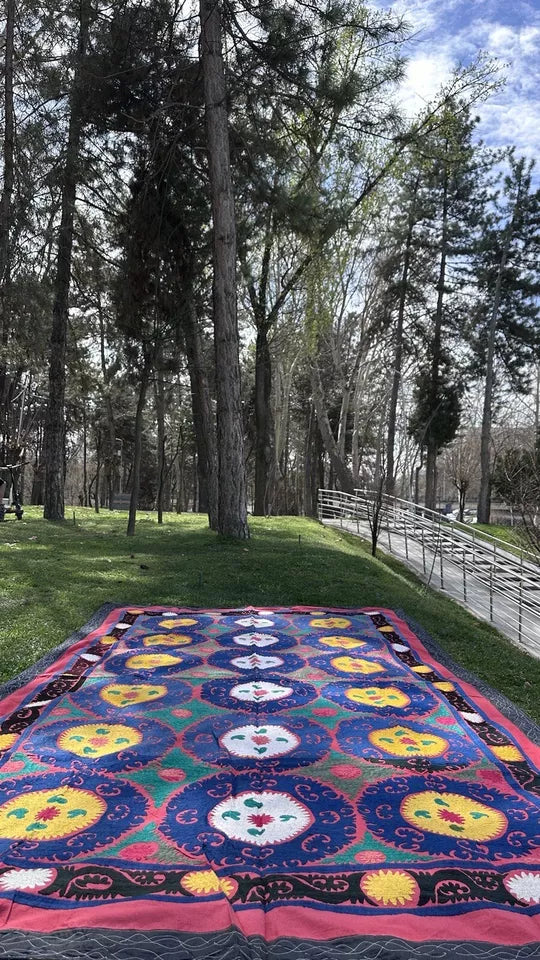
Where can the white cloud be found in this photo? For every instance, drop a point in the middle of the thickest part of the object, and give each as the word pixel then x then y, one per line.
pixel 448 32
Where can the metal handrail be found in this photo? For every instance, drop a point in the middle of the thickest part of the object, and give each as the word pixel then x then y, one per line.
pixel 487 563
pixel 421 510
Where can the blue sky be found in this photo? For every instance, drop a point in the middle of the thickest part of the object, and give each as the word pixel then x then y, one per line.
pixel 451 31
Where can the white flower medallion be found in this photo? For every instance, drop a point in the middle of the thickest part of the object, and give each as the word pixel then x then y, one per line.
pixel 269 740
pixel 260 691
pixel 255 639
pixel 255 661
pixel 261 818
pixel 26 879
pixel 524 885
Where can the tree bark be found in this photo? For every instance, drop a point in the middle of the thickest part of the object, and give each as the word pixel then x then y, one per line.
pixel 54 439
pixel 9 170
pixel 137 453
pixel 232 506
pixel 339 467
pixel 431 439
pixel 398 352
pixel 160 419
pixel 203 420
pixel 484 495
pixel 263 422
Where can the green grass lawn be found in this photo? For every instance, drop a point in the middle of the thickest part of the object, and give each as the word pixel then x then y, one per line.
pixel 513 536
pixel 54 576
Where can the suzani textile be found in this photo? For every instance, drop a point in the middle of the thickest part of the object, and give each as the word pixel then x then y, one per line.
pixel 287 783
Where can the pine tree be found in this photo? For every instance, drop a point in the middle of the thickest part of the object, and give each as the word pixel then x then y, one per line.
pixel 453 193
pixel 505 331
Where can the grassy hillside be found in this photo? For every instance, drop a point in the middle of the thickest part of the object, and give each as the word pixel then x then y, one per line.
pixel 54 576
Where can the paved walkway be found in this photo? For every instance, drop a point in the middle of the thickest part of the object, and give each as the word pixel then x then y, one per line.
pixel 470 587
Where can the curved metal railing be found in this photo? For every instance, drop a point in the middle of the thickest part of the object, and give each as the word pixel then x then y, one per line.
pixel 510 583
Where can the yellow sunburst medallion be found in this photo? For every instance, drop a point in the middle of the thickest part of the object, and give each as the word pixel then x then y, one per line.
pixel 50 814
pixel 207 883
pixel 336 623
pixel 401 741
pixel 167 640
pixel 98 739
pixel 147 661
pixel 453 815
pixel 356 665
pixel 343 643
pixel 378 696
pixel 129 694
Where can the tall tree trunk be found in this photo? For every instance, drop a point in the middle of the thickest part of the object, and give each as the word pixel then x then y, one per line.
pixel 54 439
pixel 232 509
pixel 398 351
pixel 431 438
pixel 160 418
pixel 137 453
pixel 6 219
pixel 203 420
pixel 484 495
pixel 9 169
pixel 85 457
pixel 263 422
pixel 339 467
pixel 110 443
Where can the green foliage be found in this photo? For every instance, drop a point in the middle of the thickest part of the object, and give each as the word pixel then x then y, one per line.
pixel 58 575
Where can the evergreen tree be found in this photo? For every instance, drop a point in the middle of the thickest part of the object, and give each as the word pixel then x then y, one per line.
pixel 506 337
pixel 452 194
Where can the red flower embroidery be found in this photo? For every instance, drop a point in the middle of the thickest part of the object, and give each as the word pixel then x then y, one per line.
pixel 408 740
pixel 450 817
pixel 48 813
pixel 260 819
pixel 99 741
pixel 259 739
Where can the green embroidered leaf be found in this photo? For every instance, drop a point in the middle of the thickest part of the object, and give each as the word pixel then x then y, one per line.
pixel 287 816
pixel 78 739
pixel 102 731
pixel 282 739
pixel 476 815
pixel 440 802
pixel 238 736
pixel 89 750
pixel 250 802
pixel 20 812
pixel 58 798
pixel 411 749
pixel 76 813
pixel 254 832
pixel 261 731
pixel 36 826
pixel 122 740
pixel 387 739
pixel 423 813
pixel 260 749
pixel 231 815
pixel 427 743
pixel 454 826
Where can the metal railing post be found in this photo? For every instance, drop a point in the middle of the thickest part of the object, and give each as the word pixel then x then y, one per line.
pixel 491 569
pixel 520 614
pixel 441 565
pixel 423 551
pixel 406 540
pixel 464 578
